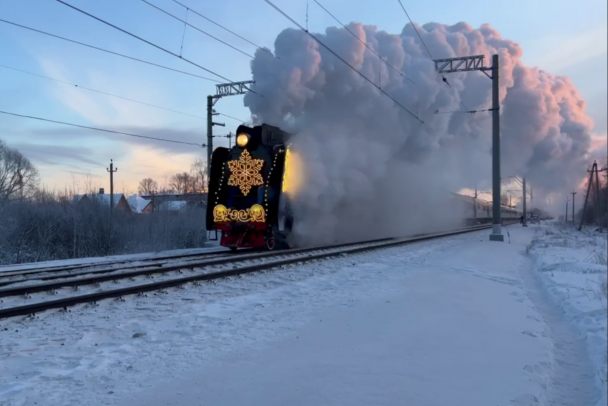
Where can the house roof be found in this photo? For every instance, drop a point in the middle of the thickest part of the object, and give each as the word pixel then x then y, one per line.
pixel 138 203
pixel 104 198
pixel 173 205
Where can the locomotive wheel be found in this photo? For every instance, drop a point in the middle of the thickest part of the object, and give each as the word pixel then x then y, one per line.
pixel 269 241
pixel 232 249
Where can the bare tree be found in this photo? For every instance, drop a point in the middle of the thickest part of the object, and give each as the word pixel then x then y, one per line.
pixel 18 176
pixel 199 173
pixel 182 183
pixel 147 186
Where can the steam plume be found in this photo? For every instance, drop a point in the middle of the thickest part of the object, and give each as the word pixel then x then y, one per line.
pixel 369 165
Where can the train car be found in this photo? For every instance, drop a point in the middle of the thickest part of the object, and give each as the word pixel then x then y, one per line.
pixel 477 211
pixel 245 184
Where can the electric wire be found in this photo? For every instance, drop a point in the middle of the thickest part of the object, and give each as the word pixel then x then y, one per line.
pixel 431 56
pixel 461 111
pixel 226 29
pixel 98 129
pixel 150 43
pixel 233 118
pixel 415 29
pixel 108 51
pixel 364 43
pixel 196 28
pixel 343 60
pixel 101 92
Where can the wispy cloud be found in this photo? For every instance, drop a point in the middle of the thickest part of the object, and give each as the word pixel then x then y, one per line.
pixel 558 53
pixel 41 151
pixel 103 110
pixel 67 134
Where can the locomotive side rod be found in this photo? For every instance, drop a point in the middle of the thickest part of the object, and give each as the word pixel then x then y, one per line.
pixel 136 289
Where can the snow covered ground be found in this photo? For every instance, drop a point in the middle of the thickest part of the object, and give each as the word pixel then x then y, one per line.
pixel 572 271
pixel 453 321
pixel 93 261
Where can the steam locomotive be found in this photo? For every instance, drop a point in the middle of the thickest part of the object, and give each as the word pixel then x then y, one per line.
pixel 251 189
pixel 248 196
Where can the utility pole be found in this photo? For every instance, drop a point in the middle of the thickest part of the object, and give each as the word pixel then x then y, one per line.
pixel 476 63
pixel 229 136
pixel 572 193
pixel 221 90
pixel 112 170
pixel 566 220
pixel 475 203
pixel 594 170
pixel 525 222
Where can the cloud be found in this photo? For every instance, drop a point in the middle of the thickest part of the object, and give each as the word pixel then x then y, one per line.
pixel 102 110
pixel 43 152
pixel 80 135
pixel 572 49
pixel 369 163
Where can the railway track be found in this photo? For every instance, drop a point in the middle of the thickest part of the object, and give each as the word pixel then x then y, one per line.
pixel 17 275
pixel 171 275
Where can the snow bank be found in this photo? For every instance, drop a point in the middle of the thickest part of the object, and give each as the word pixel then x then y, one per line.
pixel 572 268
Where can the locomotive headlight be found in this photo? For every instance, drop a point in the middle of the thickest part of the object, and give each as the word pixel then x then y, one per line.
pixel 242 140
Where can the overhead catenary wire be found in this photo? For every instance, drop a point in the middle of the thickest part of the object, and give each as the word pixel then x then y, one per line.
pixel 461 111
pixel 196 28
pixel 430 55
pixel 365 43
pixel 148 42
pixel 342 59
pixel 110 52
pixel 231 117
pixel 99 129
pixel 101 92
pixel 114 95
pixel 415 29
pixel 226 29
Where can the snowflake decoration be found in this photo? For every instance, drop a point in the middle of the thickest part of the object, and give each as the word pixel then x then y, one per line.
pixel 245 172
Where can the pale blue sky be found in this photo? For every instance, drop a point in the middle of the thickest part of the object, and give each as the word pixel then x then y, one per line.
pixel 562 37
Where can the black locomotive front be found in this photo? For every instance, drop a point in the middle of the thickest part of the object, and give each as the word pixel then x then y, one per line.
pixel 245 187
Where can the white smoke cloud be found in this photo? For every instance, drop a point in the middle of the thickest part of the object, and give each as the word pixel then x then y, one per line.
pixel 370 164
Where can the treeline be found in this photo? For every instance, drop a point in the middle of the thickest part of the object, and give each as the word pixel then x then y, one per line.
pixel 183 182
pixel 38 225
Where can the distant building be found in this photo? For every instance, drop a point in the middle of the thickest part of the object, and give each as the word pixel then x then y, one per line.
pixel 176 197
pixel 120 201
pixel 140 205
pixel 193 199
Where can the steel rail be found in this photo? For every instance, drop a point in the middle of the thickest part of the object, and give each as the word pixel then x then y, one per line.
pixel 33 308
pixel 59 268
pixel 108 274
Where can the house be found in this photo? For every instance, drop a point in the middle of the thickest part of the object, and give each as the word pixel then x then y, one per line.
pixel 120 201
pixel 172 206
pixel 199 199
pixel 140 205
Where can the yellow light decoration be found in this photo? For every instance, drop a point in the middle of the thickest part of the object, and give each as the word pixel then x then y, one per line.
pixel 292 174
pixel 245 173
pixel 255 214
